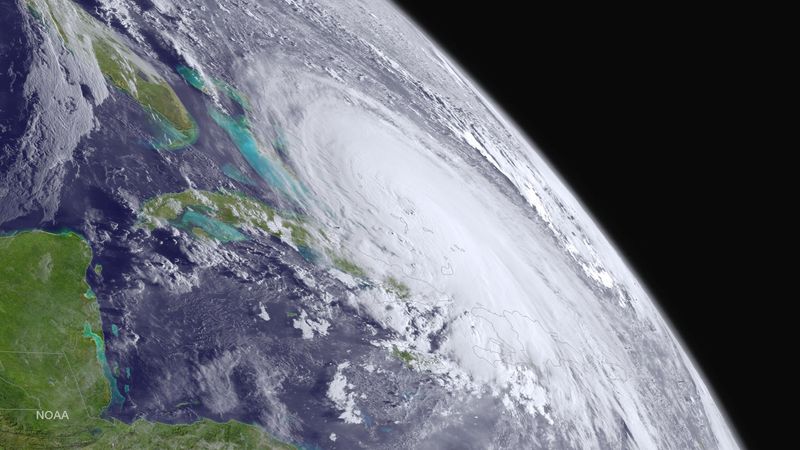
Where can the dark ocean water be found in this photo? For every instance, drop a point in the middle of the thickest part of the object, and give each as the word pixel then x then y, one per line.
pixel 188 341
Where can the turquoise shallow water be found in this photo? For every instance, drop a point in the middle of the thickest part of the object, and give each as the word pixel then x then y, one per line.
pixel 232 93
pixel 192 77
pixel 238 129
pixel 215 228
pixel 170 138
pixel 117 399
pixel 242 137
pixel 234 173
pixel 307 253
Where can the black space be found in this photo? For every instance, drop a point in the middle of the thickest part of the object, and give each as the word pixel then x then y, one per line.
pixel 656 118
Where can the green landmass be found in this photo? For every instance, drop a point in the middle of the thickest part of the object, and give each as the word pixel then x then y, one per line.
pixel 59 28
pixel 226 216
pixel 226 213
pixel 37 14
pixel 403 355
pixel 52 359
pixel 231 209
pixel 154 95
pixel 347 266
pixel 299 234
pixel 398 288
pixel 123 70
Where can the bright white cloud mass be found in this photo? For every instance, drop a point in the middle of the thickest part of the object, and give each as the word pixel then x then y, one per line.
pixel 467 260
